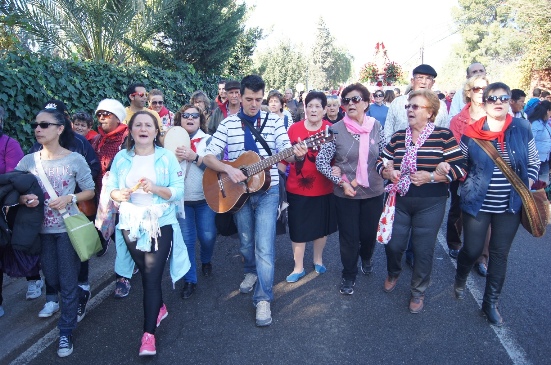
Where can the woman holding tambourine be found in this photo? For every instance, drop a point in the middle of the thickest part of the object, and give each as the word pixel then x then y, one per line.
pixel 198 219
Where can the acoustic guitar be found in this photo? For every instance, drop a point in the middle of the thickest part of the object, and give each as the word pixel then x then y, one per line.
pixel 223 195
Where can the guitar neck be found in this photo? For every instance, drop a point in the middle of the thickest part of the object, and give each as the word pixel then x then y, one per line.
pixel 268 161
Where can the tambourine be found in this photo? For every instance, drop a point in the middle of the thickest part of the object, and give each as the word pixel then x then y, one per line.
pixel 176 137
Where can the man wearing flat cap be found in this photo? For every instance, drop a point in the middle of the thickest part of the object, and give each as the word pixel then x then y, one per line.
pixel 231 106
pixel 397 119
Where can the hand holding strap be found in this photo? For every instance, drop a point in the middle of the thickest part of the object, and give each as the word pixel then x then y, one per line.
pixel 46 182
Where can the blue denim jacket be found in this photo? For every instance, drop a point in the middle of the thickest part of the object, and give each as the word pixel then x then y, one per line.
pixel 169 174
pixel 480 167
pixel 542 135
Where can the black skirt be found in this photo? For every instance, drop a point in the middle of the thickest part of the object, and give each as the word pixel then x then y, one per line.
pixel 311 217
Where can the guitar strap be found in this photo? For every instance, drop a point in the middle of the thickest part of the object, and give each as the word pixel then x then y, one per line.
pixel 257 134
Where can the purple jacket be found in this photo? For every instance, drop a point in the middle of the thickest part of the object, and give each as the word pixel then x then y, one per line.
pixel 10 153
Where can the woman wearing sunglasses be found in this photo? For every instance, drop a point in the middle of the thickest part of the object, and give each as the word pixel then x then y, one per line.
pixel 65 170
pixel 358 189
pixel 156 100
pixel 471 112
pixel 422 160
pixel 378 109
pixel 487 197
pixel 147 181
pixel 198 220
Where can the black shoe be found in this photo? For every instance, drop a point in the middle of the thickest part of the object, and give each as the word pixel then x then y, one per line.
pixel 65 347
pixel 453 254
pixel 367 266
pixel 347 287
pixel 410 261
pixel 188 290
pixel 104 248
pixel 491 312
pixel 459 290
pixel 481 269
pixel 207 269
pixel 83 299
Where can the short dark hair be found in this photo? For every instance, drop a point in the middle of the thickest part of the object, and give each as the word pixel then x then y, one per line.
pixel 537 92
pixel 253 83
pixel 202 118
pixel 545 94
pixel 130 141
pixel 85 117
pixel 222 81
pixel 276 94
pixel 517 94
pixel 67 136
pixel 366 95
pixel 540 111
pixel 132 89
pixel 316 95
pixel 493 87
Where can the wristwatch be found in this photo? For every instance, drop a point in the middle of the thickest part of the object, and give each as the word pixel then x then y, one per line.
pixel 432 177
pixel 74 198
pixel 196 158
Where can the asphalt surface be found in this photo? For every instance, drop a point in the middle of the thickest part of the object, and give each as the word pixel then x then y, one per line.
pixel 312 322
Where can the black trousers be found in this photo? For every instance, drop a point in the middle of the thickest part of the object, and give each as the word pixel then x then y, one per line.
pixel 421 218
pixel 454 225
pixel 151 265
pixel 357 220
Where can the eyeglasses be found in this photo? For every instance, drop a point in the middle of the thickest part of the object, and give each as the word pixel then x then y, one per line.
pixel 157 102
pixel 354 99
pixel 478 89
pixel 43 125
pixel 378 95
pixel 493 99
pixel 141 95
pixel 190 115
pixel 414 106
pixel 103 113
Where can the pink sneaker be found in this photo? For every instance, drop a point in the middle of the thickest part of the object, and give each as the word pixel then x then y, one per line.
pixel 163 313
pixel 148 345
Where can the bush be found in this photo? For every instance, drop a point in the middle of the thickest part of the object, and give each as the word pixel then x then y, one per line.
pixel 28 80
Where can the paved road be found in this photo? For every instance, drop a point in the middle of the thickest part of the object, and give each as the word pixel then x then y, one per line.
pixel 314 324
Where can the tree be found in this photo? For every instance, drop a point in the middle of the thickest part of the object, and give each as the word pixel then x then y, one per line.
pixel 106 30
pixel 240 62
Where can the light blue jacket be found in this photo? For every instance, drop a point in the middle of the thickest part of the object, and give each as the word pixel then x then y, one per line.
pixel 542 135
pixel 168 174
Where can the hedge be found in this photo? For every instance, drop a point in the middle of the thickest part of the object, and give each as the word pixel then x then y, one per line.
pixel 28 80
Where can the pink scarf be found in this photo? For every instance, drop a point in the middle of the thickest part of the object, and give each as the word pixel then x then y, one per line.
pixel 362 177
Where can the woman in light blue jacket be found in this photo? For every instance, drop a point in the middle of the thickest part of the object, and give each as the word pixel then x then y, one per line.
pixel 541 129
pixel 147 180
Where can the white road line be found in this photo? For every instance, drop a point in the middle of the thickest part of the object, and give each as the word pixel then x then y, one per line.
pixel 505 335
pixel 53 335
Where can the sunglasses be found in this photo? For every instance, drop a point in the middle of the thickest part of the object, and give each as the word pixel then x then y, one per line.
pixel 354 99
pixel 414 106
pixel 478 89
pixel 103 114
pixel 332 96
pixel 190 115
pixel 493 99
pixel 141 95
pixel 157 102
pixel 43 125
pixel 378 95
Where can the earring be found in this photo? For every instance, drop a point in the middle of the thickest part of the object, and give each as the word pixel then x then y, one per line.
pixel 155 139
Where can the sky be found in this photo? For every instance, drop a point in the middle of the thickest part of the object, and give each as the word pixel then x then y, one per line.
pixel 404 26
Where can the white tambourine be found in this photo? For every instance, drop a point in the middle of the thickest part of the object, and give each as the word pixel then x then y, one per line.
pixel 176 137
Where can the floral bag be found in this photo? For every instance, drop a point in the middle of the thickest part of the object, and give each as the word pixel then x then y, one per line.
pixel 384 230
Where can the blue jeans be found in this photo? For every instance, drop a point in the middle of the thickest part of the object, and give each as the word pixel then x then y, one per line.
pixel 199 223
pixel 256 226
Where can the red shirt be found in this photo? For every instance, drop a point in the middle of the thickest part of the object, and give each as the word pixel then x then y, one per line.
pixel 304 179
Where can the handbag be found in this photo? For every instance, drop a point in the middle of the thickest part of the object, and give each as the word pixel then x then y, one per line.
pixel 535 213
pixel 384 229
pixel 88 207
pixel 82 233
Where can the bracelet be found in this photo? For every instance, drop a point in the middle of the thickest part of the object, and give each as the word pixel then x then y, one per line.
pixel 196 158
pixel 299 160
pixel 432 177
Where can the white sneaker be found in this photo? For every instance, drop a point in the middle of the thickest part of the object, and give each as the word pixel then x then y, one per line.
pixel 263 314
pixel 247 284
pixel 34 289
pixel 49 309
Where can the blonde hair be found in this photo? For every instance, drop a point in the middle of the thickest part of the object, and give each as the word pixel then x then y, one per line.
pixel 433 103
pixel 470 84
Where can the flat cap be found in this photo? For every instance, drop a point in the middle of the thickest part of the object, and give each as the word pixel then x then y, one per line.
pixel 424 70
pixel 230 85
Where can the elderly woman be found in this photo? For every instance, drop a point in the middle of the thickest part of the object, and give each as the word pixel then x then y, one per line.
pixel 82 124
pixel 198 220
pixel 275 105
pixel 333 112
pixel 200 100
pixel 309 193
pixel 541 129
pixel 471 112
pixel 413 155
pixel 147 179
pixel 487 197
pixel 358 189
pixel 156 100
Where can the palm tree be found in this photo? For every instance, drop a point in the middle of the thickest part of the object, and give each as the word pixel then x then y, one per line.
pixel 100 30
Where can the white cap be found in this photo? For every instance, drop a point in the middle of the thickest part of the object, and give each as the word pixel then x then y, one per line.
pixel 113 106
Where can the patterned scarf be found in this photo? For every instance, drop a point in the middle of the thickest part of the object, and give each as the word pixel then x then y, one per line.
pixel 409 162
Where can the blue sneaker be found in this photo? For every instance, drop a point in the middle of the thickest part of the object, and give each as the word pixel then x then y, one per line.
pixel 293 278
pixel 320 269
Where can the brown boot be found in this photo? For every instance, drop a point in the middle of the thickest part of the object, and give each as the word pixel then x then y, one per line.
pixel 416 304
pixel 390 283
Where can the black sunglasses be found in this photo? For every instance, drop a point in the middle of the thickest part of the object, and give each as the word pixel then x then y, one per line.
pixel 103 113
pixel 354 99
pixel 493 99
pixel 188 115
pixel 378 95
pixel 157 102
pixel 43 125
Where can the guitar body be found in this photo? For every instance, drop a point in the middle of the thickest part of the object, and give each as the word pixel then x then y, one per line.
pixel 223 195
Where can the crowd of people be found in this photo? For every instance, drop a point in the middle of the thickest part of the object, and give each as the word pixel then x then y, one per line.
pixel 418 146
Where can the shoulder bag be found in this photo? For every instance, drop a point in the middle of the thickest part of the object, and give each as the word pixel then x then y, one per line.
pixel 82 233
pixel 535 206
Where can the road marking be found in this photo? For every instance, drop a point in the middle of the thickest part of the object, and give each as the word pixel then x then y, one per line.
pixel 53 335
pixel 505 335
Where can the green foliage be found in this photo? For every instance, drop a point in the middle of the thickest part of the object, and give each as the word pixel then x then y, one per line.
pixel 240 62
pixel 27 81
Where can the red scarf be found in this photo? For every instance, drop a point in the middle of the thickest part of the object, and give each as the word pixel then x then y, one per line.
pixel 111 135
pixel 193 144
pixel 475 131
pixel 164 111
